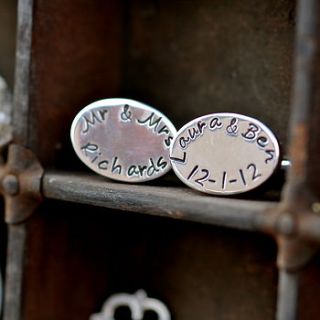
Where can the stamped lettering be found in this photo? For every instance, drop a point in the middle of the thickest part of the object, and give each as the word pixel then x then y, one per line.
pixel 232 128
pixel 126 114
pixel 227 154
pixel 93 117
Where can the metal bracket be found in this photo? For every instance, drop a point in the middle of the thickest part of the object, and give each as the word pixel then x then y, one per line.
pixel 294 253
pixel 294 249
pixel 296 231
pixel 20 183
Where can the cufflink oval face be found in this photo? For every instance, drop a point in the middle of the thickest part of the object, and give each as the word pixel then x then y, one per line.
pixel 224 153
pixel 123 139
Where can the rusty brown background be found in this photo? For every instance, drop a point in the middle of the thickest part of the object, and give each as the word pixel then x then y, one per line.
pixel 187 58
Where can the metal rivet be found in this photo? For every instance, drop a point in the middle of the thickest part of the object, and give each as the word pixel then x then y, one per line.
pixel 10 184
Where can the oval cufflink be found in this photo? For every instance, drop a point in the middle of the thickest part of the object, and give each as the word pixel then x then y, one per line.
pixel 224 153
pixel 123 139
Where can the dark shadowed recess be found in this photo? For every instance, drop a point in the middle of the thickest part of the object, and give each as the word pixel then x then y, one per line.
pixel 80 256
pixel 186 58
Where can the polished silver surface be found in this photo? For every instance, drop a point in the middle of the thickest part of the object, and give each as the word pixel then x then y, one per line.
pixel 285 164
pixel 137 303
pixel 123 139
pixel 224 153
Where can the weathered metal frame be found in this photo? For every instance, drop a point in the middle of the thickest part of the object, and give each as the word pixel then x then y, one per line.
pixel 156 200
pixel 294 222
pixel 249 215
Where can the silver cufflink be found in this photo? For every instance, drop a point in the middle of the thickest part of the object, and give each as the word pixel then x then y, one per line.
pixel 220 153
pixel 123 139
pixel 224 153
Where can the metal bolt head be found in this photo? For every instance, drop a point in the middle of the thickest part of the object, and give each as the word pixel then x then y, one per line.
pixel 10 184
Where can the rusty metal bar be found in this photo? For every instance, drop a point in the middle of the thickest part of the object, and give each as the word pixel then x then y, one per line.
pixel 288 295
pixel 172 202
pixel 304 102
pixel 302 188
pixel 176 203
pixel 14 272
pixel 20 126
pixel 21 107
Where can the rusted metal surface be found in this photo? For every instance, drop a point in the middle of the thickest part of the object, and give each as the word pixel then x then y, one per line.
pixel 22 123
pixel 299 194
pixel 14 272
pixel 288 295
pixel 304 105
pixel 172 202
pixel 302 189
pixel 20 184
pixel 298 235
pixel 176 55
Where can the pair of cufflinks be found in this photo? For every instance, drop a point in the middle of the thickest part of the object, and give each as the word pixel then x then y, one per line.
pixel 219 153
